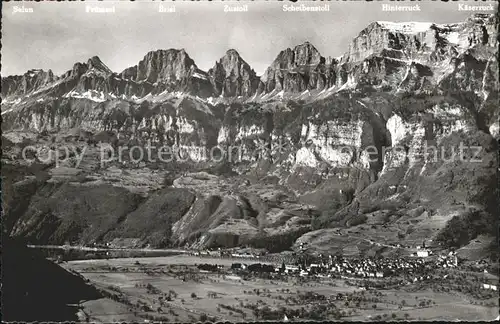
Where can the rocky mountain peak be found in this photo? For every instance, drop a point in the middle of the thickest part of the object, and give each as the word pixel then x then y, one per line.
pixel 95 63
pixel 426 41
pixel 307 46
pixel 169 65
pixel 303 54
pixel 231 57
pixel 232 53
pixel 33 72
pixel 78 69
pixel 481 18
pixel 295 70
pixel 232 76
pixel 307 54
pixel 40 76
pixel 232 63
pixel 380 49
pixel 22 84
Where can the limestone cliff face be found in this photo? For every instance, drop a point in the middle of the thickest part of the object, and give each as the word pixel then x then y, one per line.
pixel 185 124
pixel 316 137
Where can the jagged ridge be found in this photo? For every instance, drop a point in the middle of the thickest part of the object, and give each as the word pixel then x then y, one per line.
pixel 293 71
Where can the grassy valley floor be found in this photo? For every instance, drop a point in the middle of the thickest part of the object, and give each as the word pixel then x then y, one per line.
pixel 173 289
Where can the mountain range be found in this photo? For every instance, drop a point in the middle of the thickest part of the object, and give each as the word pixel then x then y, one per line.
pixel 416 47
pixel 398 84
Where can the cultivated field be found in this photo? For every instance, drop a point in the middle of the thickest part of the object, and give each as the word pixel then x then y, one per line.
pixel 174 289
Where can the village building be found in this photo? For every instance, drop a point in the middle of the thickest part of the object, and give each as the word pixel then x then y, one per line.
pixel 422 253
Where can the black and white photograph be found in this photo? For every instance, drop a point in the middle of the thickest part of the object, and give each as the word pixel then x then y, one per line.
pixel 249 161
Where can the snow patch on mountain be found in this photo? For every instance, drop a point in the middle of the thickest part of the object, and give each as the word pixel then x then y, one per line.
pixel 14 101
pixel 406 27
pixel 453 37
pixel 495 130
pixel 89 94
pixel 306 157
pixel 199 76
pixel 397 128
pixel 245 132
pixel 184 126
pixel 7 111
pixel 223 136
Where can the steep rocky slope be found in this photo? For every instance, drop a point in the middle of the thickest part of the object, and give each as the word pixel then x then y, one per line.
pixel 316 142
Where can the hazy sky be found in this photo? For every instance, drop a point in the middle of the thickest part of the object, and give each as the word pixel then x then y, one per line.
pixel 58 34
